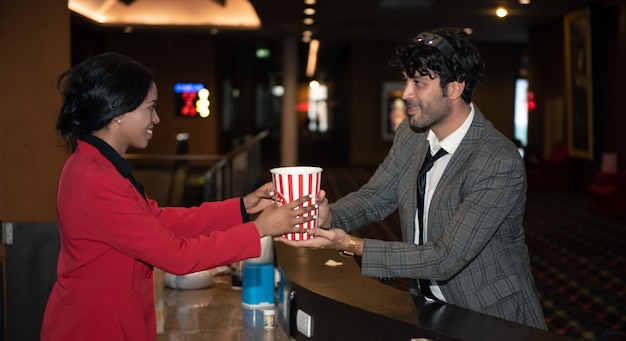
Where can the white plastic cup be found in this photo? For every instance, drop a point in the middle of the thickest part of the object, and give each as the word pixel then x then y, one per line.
pixel 291 183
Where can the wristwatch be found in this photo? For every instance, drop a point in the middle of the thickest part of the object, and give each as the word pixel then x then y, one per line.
pixel 349 252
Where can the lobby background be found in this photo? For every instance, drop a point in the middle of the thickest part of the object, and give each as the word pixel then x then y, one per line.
pixel 38 41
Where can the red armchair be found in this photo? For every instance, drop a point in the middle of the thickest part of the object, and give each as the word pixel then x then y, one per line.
pixel 554 173
pixel 607 194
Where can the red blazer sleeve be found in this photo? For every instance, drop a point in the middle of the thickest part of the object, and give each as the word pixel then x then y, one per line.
pixel 177 240
pixel 214 216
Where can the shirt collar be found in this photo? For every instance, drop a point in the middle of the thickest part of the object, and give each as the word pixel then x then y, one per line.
pixel 113 156
pixel 452 141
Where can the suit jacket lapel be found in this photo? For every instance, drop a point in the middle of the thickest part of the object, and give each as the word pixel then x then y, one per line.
pixel 455 165
pixel 466 147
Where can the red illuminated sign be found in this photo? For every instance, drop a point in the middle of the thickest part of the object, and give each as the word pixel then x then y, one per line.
pixel 192 100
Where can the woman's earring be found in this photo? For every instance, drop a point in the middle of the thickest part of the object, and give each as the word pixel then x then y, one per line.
pixel 119 121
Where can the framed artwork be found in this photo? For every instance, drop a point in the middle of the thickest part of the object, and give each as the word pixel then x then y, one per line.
pixel 578 74
pixel 393 109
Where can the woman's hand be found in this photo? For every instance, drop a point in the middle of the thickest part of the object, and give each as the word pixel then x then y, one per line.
pixel 260 199
pixel 324 215
pixel 276 220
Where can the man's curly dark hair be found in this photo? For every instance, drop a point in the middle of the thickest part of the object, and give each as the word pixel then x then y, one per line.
pixel 462 64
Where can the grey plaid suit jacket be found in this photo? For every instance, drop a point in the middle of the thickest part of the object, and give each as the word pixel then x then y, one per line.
pixel 476 250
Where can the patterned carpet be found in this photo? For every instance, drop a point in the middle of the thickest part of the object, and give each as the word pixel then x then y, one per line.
pixel 577 257
pixel 579 266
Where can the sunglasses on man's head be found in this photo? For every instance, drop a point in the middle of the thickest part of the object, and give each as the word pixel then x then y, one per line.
pixel 436 41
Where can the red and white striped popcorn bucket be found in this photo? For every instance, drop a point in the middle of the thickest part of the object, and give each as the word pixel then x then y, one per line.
pixel 291 183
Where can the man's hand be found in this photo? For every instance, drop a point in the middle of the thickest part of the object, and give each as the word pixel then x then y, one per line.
pixel 335 239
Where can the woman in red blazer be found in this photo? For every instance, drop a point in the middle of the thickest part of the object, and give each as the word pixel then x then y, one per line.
pixel 111 233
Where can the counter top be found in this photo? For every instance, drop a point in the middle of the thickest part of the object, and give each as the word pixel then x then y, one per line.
pixel 344 305
pixel 214 313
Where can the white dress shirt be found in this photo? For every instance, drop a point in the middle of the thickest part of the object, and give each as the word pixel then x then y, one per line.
pixel 450 144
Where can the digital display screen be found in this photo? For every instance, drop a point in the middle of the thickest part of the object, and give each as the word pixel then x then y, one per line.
pixel 192 100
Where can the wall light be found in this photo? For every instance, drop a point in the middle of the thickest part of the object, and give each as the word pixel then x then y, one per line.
pixel 262 53
pixel 314 84
pixel 278 90
pixel 312 59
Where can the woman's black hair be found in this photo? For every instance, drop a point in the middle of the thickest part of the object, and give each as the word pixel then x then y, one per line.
pixel 455 59
pixel 96 91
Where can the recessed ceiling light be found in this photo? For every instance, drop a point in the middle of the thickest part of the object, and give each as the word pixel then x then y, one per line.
pixel 501 12
pixel 308 21
pixel 309 11
pixel 309 2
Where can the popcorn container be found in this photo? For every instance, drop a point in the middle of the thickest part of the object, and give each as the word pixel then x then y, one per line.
pixel 291 183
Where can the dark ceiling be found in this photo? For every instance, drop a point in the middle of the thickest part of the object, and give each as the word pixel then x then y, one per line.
pixel 338 22
pixel 400 19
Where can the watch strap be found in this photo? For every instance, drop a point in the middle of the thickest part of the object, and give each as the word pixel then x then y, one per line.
pixel 351 248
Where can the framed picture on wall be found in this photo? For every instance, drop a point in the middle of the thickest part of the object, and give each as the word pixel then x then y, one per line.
pixel 578 74
pixel 393 109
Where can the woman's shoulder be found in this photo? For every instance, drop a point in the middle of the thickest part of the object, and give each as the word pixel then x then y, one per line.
pixel 87 164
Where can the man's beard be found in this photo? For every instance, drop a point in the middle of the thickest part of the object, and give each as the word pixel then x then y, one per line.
pixel 440 112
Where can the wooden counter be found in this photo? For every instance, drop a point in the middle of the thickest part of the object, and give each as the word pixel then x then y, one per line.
pixel 344 305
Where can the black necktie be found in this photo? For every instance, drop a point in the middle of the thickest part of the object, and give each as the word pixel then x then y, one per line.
pixel 421 188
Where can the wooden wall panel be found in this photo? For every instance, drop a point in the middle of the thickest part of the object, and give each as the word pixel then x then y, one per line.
pixel 35 45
